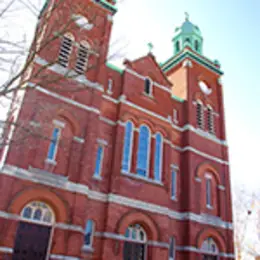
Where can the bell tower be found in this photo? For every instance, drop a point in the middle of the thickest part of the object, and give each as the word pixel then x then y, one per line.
pixel 189 35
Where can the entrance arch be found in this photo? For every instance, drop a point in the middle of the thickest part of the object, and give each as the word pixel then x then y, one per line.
pixel 210 249
pixel 135 243
pixel 34 232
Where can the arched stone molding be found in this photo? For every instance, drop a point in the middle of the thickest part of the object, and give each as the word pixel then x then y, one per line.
pixel 207 167
pixel 40 194
pixel 138 217
pixel 210 232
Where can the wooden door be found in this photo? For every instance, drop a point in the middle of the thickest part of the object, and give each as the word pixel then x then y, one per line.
pixel 31 242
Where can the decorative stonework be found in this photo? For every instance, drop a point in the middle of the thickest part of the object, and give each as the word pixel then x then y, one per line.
pixel 187 63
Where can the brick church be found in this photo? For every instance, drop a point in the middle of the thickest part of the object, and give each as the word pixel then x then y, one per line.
pixel 126 163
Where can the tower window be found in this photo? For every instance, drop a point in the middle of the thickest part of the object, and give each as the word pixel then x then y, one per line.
pixel 174 185
pixel 200 115
pixel 82 58
pixel 65 50
pixel 196 45
pixel 143 151
pixel 148 86
pixel 53 147
pixel 110 86
pixel 172 249
pixel 158 157
pixel 99 159
pixel 89 233
pixel 177 46
pixel 127 151
pixel 187 40
pixel 175 116
pixel 208 192
pixel 210 120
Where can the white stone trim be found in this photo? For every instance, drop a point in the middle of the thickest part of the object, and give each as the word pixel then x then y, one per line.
pixel 113 198
pixel 175 166
pixel 221 187
pixel 120 237
pixel 64 99
pixel 102 141
pixel 187 63
pixel 58 123
pixel 205 155
pixel 78 139
pixel 69 227
pixel 139 177
pixel 110 18
pixel 107 121
pixel 63 257
pixel 208 176
pixel 5 249
pixel 197 250
pixel 116 101
pixel 157 244
pixel 144 77
pixel 70 73
pixel 197 179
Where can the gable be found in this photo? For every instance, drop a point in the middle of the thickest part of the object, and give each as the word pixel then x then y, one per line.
pixel 148 67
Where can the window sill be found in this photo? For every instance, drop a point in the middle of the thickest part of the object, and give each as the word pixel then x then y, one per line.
pixel 209 206
pixel 98 178
pixel 87 249
pixel 52 162
pixel 174 198
pixel 148 95
pixel 139 177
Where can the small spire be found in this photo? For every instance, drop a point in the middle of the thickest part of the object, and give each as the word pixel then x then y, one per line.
pixel 150 47
pixel 187 16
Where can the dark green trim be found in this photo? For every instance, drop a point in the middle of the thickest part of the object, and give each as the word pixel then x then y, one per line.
pixel 43 8
pixel 107 6
pixel 178 98
pixel 114 67
pixel 176 59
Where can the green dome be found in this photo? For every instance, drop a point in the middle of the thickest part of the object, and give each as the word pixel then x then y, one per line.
pixel 188 28
pixel 188 34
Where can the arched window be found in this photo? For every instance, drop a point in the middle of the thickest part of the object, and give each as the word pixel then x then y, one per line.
pixel 200 114
pixel 148 86
pixel 197 45
pixel 127 150
pixel 38 211
pixel 53 146
pixel 89 233
pixel 210 120
pixel 65 49
pixel 158 157
pixel 177 46
pixel 135 245
pixel 210 249
pixel 82 58
pixel 143 151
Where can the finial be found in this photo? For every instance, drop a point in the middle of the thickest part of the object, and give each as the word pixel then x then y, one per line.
pixel 150 47
pixel 186 16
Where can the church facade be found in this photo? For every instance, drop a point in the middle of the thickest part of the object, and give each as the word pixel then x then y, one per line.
pixel 116 163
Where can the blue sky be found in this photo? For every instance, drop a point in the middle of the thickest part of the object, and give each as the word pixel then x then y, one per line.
pixel 231 32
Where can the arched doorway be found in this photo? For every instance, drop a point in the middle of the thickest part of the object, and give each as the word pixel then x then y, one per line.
pixel 33 232
pixel 135 244
pixel 210 249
